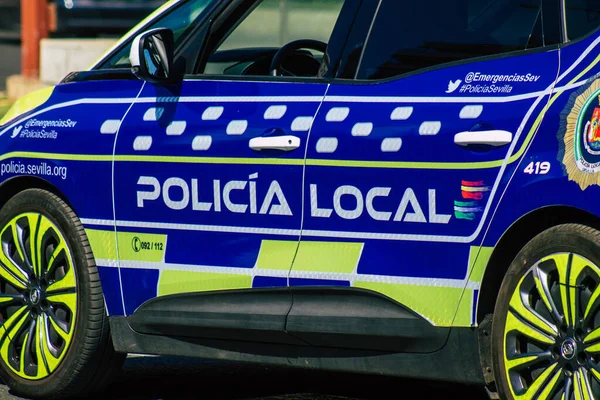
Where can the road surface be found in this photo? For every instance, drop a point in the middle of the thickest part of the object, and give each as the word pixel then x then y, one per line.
pixel 149 378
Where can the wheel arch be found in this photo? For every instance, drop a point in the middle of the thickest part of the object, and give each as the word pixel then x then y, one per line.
pixel 87 358
pixel 515 238
pixel 15 185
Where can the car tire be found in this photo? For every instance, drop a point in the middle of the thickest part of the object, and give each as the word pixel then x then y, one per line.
pixel 546 326
pixel 54 334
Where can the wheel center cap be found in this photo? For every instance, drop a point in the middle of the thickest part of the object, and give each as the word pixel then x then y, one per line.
pixel 568 348
pixel 34 296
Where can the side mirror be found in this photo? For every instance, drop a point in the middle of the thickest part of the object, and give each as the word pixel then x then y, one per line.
pixel 151 56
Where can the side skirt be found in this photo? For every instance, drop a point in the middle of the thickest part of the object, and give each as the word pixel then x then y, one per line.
pixel 457 361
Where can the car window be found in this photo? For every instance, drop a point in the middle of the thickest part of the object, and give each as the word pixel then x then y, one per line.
pixel 178 20
pixel 409 36
pixel 249 46
pixel 583 17
pixel 277 22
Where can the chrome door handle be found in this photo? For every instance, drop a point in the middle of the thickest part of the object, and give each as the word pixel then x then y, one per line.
pixel 283 143
pixel 493 138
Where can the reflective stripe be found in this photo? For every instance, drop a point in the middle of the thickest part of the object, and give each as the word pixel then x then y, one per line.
pixel 276 255
pixel 142 246
pixel 27 103
pixel 174 282
pixel 191 227
pixel 479 258
pixel 282 232
pixel 103 244
pixel 395 280
pixel 423 295
pixel 330 257
pixel 431 302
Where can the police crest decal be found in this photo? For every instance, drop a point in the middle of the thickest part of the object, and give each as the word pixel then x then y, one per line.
pixel 580 135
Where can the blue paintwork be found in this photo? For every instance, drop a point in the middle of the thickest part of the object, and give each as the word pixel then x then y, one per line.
pixel 527 193
pixel 267 281
pixel 445 255
pixel 428 249
pixel 111 289
pixel 237 250
pixel 139 286
pixel 317 282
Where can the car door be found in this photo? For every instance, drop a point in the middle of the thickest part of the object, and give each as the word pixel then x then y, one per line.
pixel 579 100
pixel 409 152
pixel 208 172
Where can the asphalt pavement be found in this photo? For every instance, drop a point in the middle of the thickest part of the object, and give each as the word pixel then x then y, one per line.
pixel 169 378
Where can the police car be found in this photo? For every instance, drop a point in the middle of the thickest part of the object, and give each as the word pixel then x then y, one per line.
pixel 407 188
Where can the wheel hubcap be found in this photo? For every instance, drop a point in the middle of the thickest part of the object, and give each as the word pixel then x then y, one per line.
pixel 552 331
pixel 568 349
pixel 34 296
pixel 38 296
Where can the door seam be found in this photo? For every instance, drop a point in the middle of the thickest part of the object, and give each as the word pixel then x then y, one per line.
pixel 302 204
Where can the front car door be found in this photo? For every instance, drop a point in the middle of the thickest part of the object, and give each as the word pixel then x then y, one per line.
pixel 410 151
pixel 208 172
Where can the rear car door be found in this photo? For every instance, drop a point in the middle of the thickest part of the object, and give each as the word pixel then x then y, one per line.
pixel 406 157
pixel 577 96
pixel 206 199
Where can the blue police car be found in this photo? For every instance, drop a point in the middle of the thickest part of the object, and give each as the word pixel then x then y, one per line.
pixel 407 188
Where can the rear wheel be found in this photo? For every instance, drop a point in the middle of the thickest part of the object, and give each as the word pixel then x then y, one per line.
pixel 54 337
pixel 546 329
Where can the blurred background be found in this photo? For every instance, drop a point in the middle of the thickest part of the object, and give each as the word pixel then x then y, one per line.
pixel 43 40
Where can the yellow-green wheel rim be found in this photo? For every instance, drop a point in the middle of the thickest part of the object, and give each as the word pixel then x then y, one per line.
pixel 552 331
pixel 38 296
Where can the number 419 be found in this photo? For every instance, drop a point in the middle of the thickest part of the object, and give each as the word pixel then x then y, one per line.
pixel 538 168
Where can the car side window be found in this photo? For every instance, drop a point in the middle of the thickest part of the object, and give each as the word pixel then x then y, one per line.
pixel 412 35
pixel 583 17
pixel 274 23
pixel 179 20
pixel 248 47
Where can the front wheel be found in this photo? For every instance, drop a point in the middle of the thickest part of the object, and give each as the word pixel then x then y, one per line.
pixel 54 337
pixel 546 327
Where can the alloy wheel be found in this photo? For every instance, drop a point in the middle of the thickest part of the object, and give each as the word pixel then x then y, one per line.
pixel 38 296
